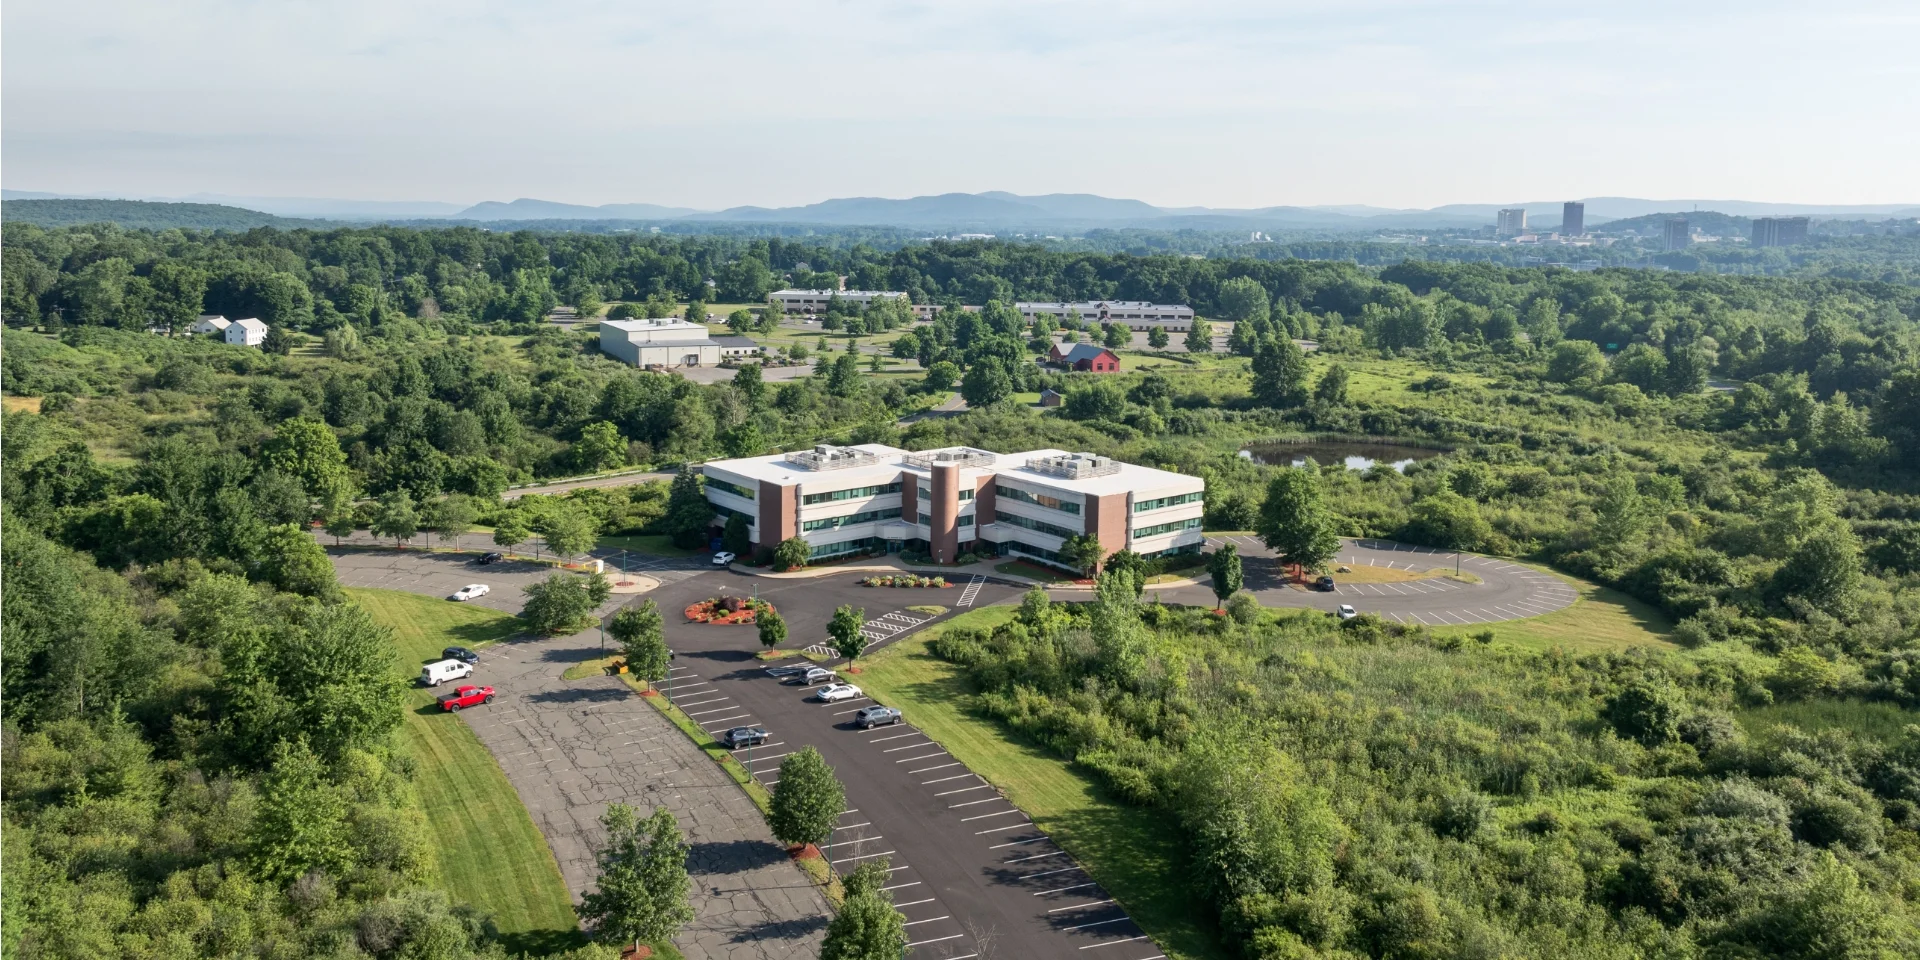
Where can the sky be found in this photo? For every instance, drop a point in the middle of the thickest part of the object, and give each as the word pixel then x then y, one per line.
pixel 1393 103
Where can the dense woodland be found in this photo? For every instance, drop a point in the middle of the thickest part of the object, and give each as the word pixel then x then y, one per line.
pixel 1739 452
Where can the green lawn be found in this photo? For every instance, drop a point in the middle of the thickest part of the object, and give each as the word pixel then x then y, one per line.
pixel 660 545
pixel 1602 619
pixel 491 854
pixel 1135 853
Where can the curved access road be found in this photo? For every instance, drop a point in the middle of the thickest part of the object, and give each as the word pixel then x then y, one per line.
pixel 1506 591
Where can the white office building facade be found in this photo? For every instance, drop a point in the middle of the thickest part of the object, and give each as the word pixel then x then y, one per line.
pixel 873 498
pixel 1137 315
pixel 663 343
pixel 816 301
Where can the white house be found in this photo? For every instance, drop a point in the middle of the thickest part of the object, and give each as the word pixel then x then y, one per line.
pixel 210 323
pixel 247 332
pixel 664 342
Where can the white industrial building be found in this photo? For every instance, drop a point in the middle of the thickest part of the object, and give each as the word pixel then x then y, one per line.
pixel 248 332
pixel 663 343
pixel 1135 314
pixel 815 301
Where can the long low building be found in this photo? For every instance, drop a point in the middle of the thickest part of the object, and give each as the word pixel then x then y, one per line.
pixel 664 343
pixel 1135 314
pixel 816 301
pixel 871 498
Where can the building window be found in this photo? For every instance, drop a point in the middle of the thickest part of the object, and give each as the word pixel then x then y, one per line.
pixel 834 523
pixel 733 488
pixel 856 493
pixel 926 494
pixel 1037 499
pixel 926 519
pixel 1142 506
pixel 729 512
pixel 967 521
pixel 1015 546
pixel 1160 528
pixel 1179 551
pixel 861 545
pixel 1014 519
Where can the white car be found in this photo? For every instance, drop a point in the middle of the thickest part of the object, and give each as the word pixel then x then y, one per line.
pixel 1347 612
pixel 471 591
pixel 835 692
pixel 723 558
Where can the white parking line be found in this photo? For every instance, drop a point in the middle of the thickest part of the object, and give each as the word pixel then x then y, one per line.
pixel 897 886
pixel 1097 923
pixel 1077 886
pixel 981 833
pixel 984 786
pixel 912 746
pixel 714 710
pixel 922 943
pixel 736 716
pixel 897 736
pixel 910 923
pixel 930 756
pixel 931 769
pixel 1048 873
pixel 945 779
pixel 912 903
pixel 864 856
pixel 1016 843
pixel 969 803
pixel 1115 943
pixel 1080 906
pixel 983 816
pixel 1039 856
pixel 851 826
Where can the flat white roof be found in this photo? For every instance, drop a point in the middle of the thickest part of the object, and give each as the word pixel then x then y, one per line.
pixel 840 293
pixel 891 463
pixel 658 323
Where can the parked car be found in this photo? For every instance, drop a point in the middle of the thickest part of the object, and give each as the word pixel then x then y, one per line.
pixel 836 692
pixel 876 717
pixel 489 557
pixel 1347 612
pixel 465 697
pixel 471 591
pixel 461 654
pixel 440 671
pixel 814 676
pixel 723 558
pixel 787 669
pixel 744 737
pixel 1324 584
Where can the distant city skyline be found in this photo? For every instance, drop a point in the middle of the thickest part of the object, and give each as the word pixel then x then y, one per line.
pixel 1390 103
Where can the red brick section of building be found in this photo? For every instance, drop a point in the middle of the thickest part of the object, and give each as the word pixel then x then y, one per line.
pixel 943 534
pixel 1107 520
pixel 983 508
pixel 779 515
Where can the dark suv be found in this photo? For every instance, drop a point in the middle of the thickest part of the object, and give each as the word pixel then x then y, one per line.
pixel 876 716
pixel 461 654
pixel 1324 584
pixel 739 737
pixel 487 558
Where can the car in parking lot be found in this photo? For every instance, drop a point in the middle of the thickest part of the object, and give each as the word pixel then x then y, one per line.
pixel 490 557
pixel 470 591
pixel 465 697
pixel 1346 612
pixel 787 669
pixel 739 737
pixel 1324 584
pixel 461 654
pixel 876 717
pixel 723 558
pixel 836 692
pixel 813 676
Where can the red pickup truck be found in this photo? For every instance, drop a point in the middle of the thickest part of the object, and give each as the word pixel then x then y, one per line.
pixel 466 697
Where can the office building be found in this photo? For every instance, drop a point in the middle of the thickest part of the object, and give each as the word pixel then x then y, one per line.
pixel 872 498
pixel 1511 222
pixel 1137 315
pixel 816 301
pixel 1779 231
pixel 1573 219
pixel 664 343
pixel 1677 234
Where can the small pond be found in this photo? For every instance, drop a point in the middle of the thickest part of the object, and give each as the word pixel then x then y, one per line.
pixel 1356 456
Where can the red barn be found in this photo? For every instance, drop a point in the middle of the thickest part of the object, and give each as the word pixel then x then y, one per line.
pixel 1089 357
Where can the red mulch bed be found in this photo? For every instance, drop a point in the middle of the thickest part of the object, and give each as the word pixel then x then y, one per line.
pixel 805 851
pixel 714 611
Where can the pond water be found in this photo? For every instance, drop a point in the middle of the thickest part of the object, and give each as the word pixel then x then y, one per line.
pixel 1356 456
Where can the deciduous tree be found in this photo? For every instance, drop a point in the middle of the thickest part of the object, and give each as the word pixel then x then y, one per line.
pixel 807 801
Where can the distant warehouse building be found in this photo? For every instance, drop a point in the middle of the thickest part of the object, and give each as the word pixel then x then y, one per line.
pixel 873 498
pixel 816 301
pixel 663 343
pixel 1137 315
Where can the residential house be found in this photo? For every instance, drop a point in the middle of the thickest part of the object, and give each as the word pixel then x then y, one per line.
pixel 210 323
pixel 1087 357
pixel 247 332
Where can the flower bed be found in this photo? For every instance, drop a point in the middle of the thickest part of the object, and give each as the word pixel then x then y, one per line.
pixel 905 580
pixel 726 611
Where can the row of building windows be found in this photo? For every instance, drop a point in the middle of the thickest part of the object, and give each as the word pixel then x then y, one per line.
pixel 856 493
pixel 1179 551
pixel 831 523
pixel 926 519
pixel 926 494
pixel 860 545
pixel 1037 499
pixel 1042 526
pixel 1161 503
pixel 733 488
pixel 729 512
pixel 1015 546
pixel 1157 529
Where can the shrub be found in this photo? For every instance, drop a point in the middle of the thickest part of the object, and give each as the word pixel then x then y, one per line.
pixel 1463 815
pixel 791 554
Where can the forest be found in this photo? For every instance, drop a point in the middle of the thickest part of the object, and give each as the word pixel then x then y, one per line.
pixel 1737 452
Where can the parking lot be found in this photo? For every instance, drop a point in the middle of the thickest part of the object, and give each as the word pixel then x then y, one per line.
pixel 1506 591
pixel 969 870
